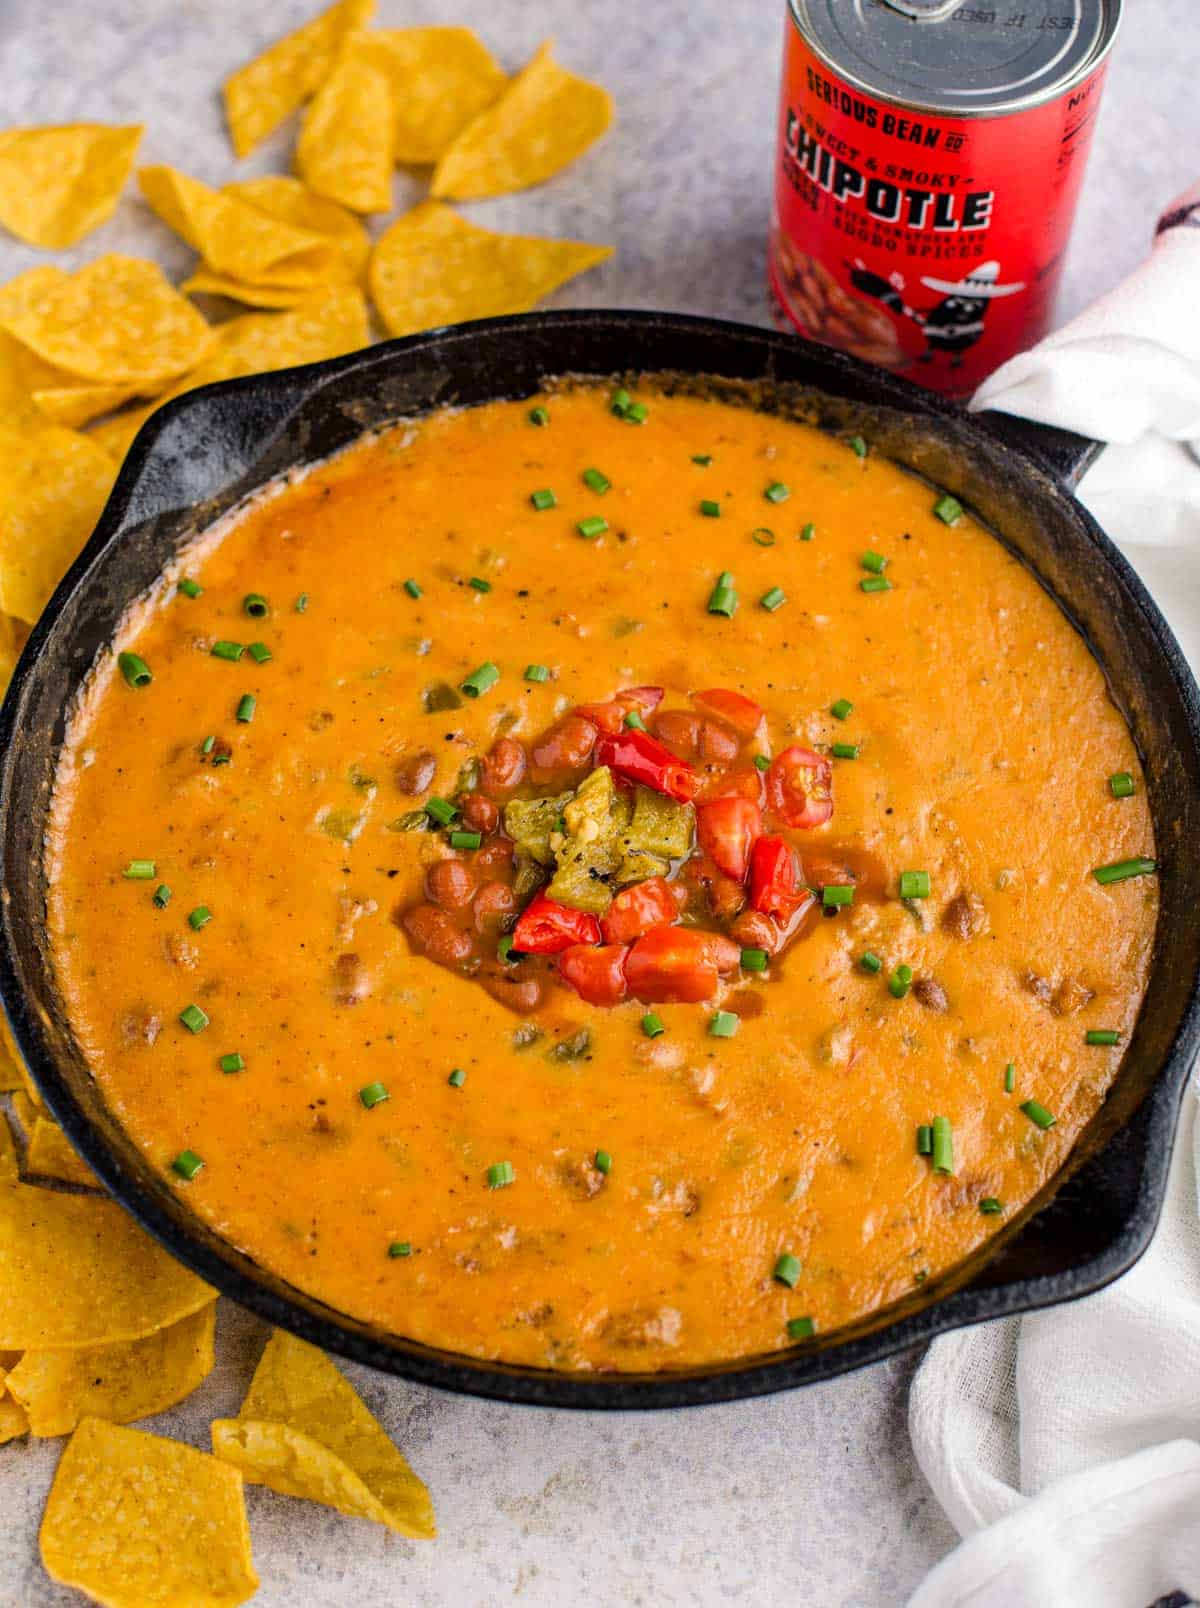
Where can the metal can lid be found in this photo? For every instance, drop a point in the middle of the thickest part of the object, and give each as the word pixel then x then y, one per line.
pixel 966 60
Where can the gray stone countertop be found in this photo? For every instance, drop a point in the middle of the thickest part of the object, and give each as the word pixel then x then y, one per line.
pixel 810 1497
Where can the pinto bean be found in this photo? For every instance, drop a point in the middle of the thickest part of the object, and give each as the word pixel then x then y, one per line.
pixel 565 746
pixel 479 813
pixel 965 916
pixel 415 773
pixel 726 896
pixel 755 931
pixel 930 993
pixel 450 883
pixel 490 907
pixel 515 986
pixel 433 934
pixel 697 737
pixel 503 766
pixel 351 982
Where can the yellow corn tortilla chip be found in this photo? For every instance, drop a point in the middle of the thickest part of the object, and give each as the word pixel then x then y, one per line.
pixel 118 1383
pixel 19 413
pixel 290 201
pixel 233 237
pixel 275 84
pixel 9 1171
pixel 76 405
pixel 52 488
pixel 50 1156
pixel 12 1068
pixel 304 1430
pixel 25 1111
pixel 34 392
pixel 115 321
pixel 75 1270
pixel 440 79
pixel 255 344
pixel 137 1521
pixel 433 267
pixel 205 283
pixel 13 1421
pixel 544 120
pixel 345 147
pixel 57 184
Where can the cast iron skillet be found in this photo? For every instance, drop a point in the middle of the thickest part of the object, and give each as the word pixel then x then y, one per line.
pixel 202 454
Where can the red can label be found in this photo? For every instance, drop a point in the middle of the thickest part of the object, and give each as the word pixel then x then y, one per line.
pixel 929 244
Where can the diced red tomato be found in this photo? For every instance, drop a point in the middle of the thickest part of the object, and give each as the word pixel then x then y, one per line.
pixel 653 903
pixel 800 787
pixel 742 713
pixel 546 927
pixel 775 887
pixel 679 965
pixel 610 716
pixel 638 757
pixel 735 784
pixel 596 972
pixel 727 828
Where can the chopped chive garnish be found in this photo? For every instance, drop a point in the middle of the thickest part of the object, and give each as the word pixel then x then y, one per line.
pixel 710 509
pixel 924 1139
pixel 247 704
pixel 597 482
pixel 837 895
pixel 634 721
pixel 457 1078
pixel 135 669
pixel 504 951
pixel 754 960
pixel 722 1024
pixel 537 672
pixel 256 605
pixel 1010 1077
pixel 232 1063
pixel 139 870
pixel 777 492
pixel 189 588
pixel 193 1018
pixel 870 962
pixel 187 1164
pixel 591 527
pixel 500 1174
pixel 875 562
pixel 702 458
pixel 858 446
pixel 1121 870
pixel 478 584
pixel 603 1161
pixel 1122 785
pixel 844 750
pixel 1038 1114
pixel 539 417
pixel 621 403
pixel 162 896
pixel 801 1328
pixel 990 1206
pixel 948 509
pixel 637 413
pixel 761 762
pixel 652 1025
pixel 724 599
pixel 900 982
pixel 914 884
pixel 762 536
pixel 373 1094
pixel 465 840
pixel 441 810
pixel 787 1270
pixel 841 710
pixel 259 652
pixel 773 599
pixel 543 499
pixel 412 587
pixel 399 1248
pixel 199 917
pixel 302 603
pixel 1104 1036
pixel 943 1145
pixel 222 758
pixel 479 681
pixel 807 532
pixel 206 747
pixel 227 650
pixel 875 583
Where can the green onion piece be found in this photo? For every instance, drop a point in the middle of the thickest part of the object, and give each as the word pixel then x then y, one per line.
pixel 603 1161
pixel 412 587
pixel 858 446
pixel 787 1270
pixel 924 1139
pixel 943 1145
pixel 1121 870
pixel 139 870
pixel 187 1164
pixel 990 1206
pixel 1038 1114
pixel 539 417
pixel 399 1248
pixel 807 532
pixel 761 762
pixel 256 605
pixel 232 1063
pixel 870 962
pixel 536 672
pixel 500 1174
pixel 722 1024
pixel 259 652
pixel 844 750
pixel 457 1078
pixel 302 603
pixel 465 840
pixel 900 982
pixel 621 403
pixel 504 951
pixel 247 704
pixel 842 709
pixel 948 509
pixel 1105 1037
pixel 773 599
pixel 875 583
pixel 1010 1077
pixel 724 598
pixel 914 884
pixel 441 810
pixel 478 584
pixel 162 896
pixel 702 458
pixel 1122 785
pixel 193 1018
pixel 652 1025
pixel 777 492
pixel 189 588
pixel 222 759
pixel 875 562
pixel 762 536
pixel 199 917
pixel 591 527
pixel 228 650
pixel 710 509
pixel 637 413
pixel 135 670
pixel 837 895
pixel 754 960
pixel 206 747
pixel 634 721
pixel 801 1328
pixel 597 482
pixel 543 499
pixel 373 1094
pixel 479 681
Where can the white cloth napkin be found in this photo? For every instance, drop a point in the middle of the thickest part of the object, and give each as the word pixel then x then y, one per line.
pixel 1065 1446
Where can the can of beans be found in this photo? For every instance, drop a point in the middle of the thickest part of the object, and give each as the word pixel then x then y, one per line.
pixel 930 158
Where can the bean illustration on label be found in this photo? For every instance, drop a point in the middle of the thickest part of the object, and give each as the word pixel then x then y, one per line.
pixel 950 326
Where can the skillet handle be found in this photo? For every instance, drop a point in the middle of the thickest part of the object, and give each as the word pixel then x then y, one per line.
pixel 1066 455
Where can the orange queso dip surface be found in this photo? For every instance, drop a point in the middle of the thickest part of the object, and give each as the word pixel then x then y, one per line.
pixel 588 1196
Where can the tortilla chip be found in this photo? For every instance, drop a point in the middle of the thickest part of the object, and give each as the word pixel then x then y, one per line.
pixel 52 488
pixel 75 1270
pixel 118 1383
pixel 345 149
pixel 19 413
pixel 50 1155
pixel 305 1431
pixel 10 1076
pixel 13 1421
pixel 9 1171
pixel 440 79
pixel 433 267
pixel 57 184
pixel 255 344
pixel 116 321
pixel 279 297
pixel 25 1111
pixel 137 1521
pixel 290 201
pixel 76 405
pixel 544 120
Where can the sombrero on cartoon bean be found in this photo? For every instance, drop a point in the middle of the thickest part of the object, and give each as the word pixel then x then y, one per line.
pixel 980 284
